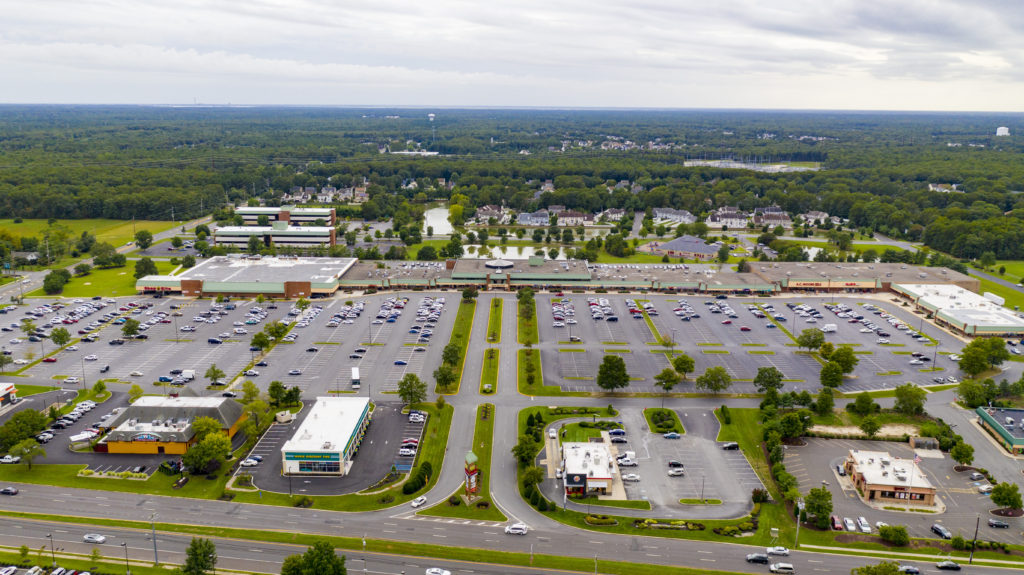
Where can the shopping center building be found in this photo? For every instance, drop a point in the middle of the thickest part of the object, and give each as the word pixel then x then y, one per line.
pixel 328 438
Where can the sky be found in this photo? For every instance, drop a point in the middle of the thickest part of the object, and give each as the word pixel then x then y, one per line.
pixel 789 54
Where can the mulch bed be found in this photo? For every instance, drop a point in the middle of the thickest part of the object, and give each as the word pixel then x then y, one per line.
pixel 1007 512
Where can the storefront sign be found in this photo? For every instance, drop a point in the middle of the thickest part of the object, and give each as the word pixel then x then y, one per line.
pixel 312 457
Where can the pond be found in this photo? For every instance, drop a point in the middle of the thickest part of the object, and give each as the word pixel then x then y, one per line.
pixel 437 218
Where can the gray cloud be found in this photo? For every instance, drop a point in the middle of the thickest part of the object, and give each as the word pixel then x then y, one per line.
pixel 892 54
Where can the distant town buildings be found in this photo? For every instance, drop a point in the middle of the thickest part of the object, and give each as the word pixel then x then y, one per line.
pixel 727 216
pixel 771 216
pixel 674 216
pixel 538 218
pixel 945 188
pixel 1002 131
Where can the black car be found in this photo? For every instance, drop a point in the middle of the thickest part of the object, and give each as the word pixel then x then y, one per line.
pixel 941 531
pixel 229 394
pixel 262 363
pixel 675 464
pixel 619 439
pixel 9 491
pixel 998 523
pixel 948 565
pixel 105 369
pixel 175 372
pixel 910 569
pixel 757 558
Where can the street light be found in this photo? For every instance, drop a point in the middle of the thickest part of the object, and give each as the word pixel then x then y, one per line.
pixel 53 556
pixel 152 525
pixel 127 570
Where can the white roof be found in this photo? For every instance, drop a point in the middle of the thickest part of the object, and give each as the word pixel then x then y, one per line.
pixel 6 388
pixel 329 425
pixel 880 468
pixel 590 459
pixel 164 401
pixel 963 305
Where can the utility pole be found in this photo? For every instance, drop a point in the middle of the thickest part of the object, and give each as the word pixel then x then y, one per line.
pixel 152 525
pixel 974 542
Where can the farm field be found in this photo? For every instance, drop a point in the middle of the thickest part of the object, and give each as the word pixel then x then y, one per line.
pixel 114 232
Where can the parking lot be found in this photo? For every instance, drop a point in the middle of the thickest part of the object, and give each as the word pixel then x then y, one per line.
pixel 740 341
pixel 814 463
pixel 376 455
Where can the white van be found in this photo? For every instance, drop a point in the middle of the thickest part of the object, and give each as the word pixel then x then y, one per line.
pixel 781 568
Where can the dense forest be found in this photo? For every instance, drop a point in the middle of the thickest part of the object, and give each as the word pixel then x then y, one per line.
pixel 144 162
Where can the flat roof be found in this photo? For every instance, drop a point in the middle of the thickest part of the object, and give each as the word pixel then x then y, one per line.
pixel 590 459
pixel 273 210
pixel 881 468
pixel 550 270
pixel 229 269
pixel 860 271
pixel 258 230
pixel 329 426
pixel 997 417
pixel 962 306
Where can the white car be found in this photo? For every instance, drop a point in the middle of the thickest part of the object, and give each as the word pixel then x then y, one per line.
pixel 91 357
pixel 71 379
pixel 136 373
pixel 251 373
pixel 249 463
pixel 676 473
pixel 419 501
pixel 94 538
pixel 20 361
pixel 10 459
pixel 517 529
pixel 438 571
pixel 881 340
pixel 777 551
pixel 631 477
pixel 72 348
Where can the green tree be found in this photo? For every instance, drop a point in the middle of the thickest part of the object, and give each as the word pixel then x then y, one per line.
pixel 319 559
pixel 715 379
pixel 60 336
pixel 973 361
pixel 883 568
pixel 302 304
pixel 831 374
pixel 723 253
pixel 20 426
pixel 5 360
pixel 768 377
pixel 819 504
pixel 209 454
pixel 145 267
pixel 972 392
pixel 83 269
pixel 810 338
pixel 844 356
pixel 203 426
pixel 864 404
pixel 451 354
pixel 254 245
pixel 200 557
pixel 130 328
pixel 293 396
pixel 987 260
pixel 470 294
pixel 683 364
pixel 276 391
pixel 825 403
pixel 28 450
pixel 895 534
pixel 176 242
pixel 99 388
pixel 910 399
pixel 826 349
pixel 611 374
pixel 666 380
pixel 214 373
pixel 95 557
pixel 250 392
pixel 525 449
pixel 1006 495
pixel 260 340
pixel 444 375
pixel 533 475
pixel 189 261
pixel 962 453
pixel 134 393
pixel 143 239
pixel 412 389
pixel 870 426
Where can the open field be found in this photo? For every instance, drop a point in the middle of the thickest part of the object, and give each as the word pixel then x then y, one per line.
pixel 112 282
pixel 114 232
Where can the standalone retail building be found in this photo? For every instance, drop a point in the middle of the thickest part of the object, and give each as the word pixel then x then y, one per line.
pixel 328 438
pixel 158 424
pixel 879 476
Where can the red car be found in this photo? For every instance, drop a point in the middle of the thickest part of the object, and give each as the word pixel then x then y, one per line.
pixel 744 328
pixel 49 360
pixel 726 322
pixel 837 525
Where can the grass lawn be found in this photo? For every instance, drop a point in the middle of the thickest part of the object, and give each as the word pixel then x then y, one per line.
pixel 528 334
pixel 482 442
pixel 158 484
pixel 460 336
pixel 494 321
pixel 114 232
pixel 649 413
pixel 532 357
pixel 621 503
pixel 27 390
pixel 846 418
pixel 489 374
pixel 745 429
pixel 574 432
pixel 700 501
pixel 414 250
pixel 110 282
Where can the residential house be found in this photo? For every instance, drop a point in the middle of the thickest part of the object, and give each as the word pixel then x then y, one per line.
pixel 612 214
pixel 538 218
pixel 728 216
pixel 345 194
pixel 673 215
pixel 556 209
pixel 326 194
pixel 815 217
pixel 772 216
pixel 571 218
pixel 360 195
pixel 945 188
pixel 485 213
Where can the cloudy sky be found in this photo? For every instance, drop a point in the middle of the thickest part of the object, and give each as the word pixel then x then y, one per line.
pixel 838 54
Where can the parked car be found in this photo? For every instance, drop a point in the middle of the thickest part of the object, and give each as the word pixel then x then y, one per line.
pixel 631 477
pixel 849 524
pixel 671 435
pixel 941 531
pixel 998 523
pixel 676 473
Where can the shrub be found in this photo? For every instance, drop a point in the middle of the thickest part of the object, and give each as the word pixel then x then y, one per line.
pixel 600 520
pixel 535 498
pixel 483 504
pixel 454 501
pixel 386 498
pixel 726 416
pixel 543 505
pixel 895 534
pixel 759 495
pixel 958 543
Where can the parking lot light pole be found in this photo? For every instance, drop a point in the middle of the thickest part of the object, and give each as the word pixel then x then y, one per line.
pixel 127 569
pixel 152 525
pixel 974 542
pixel 53 556
pixel 799 509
